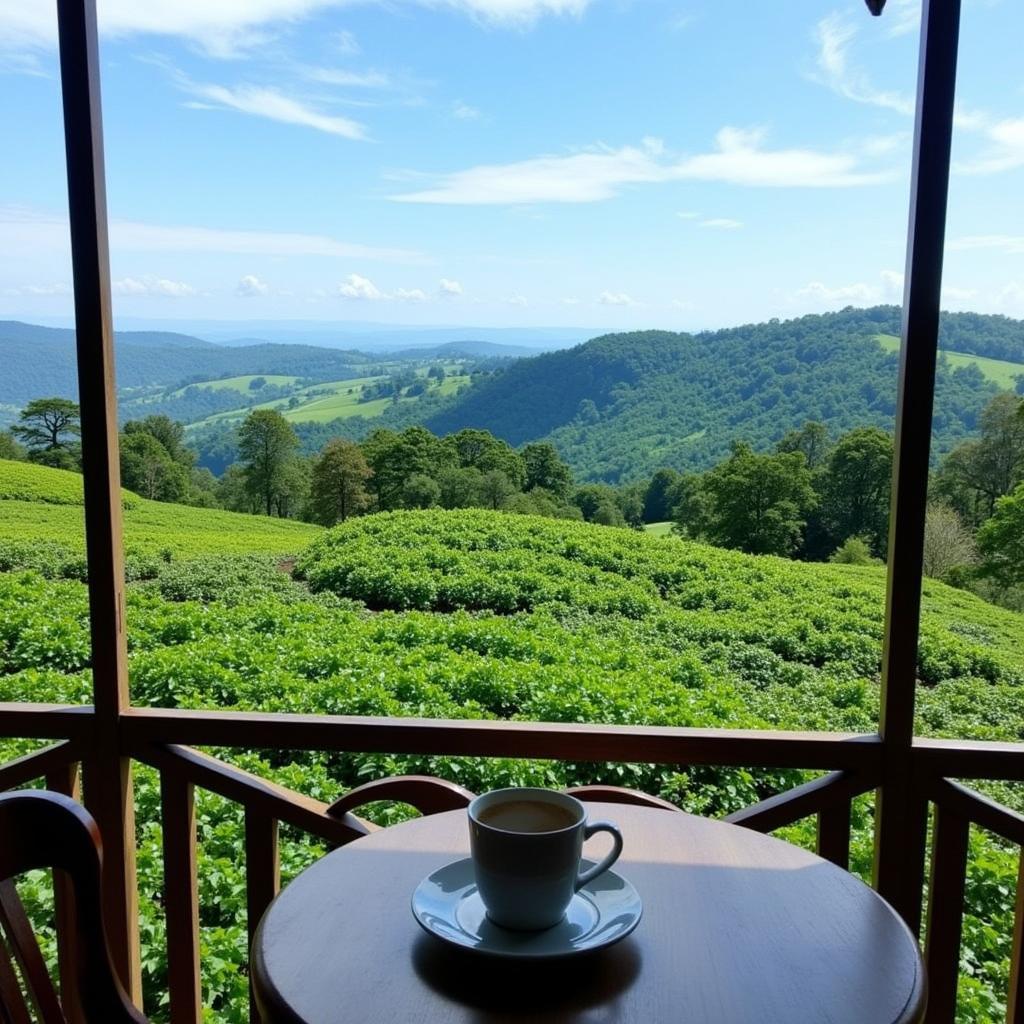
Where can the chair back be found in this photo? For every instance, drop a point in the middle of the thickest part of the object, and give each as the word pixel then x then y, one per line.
pixel 47 830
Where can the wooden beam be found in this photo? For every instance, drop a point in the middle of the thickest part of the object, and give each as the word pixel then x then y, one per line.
pixel 142 727
pixel 108 785
pixel 899 840
pixel 262 878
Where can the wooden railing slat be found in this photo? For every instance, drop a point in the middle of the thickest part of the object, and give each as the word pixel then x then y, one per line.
pixel 945 912
pixel 254 792
pixel 1015 998
pixel 65 779
pixel 980 810
pixel 181 898
pixel 794 804
pixel 37 764
pixel 262 877
pixel 833 837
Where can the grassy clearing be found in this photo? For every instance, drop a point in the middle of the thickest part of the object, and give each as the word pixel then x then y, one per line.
pixel 658 529
pixel 240 384
pixel 42 504
pixel 999 371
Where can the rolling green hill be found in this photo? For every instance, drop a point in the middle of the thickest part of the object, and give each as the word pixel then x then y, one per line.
pixel 42 504
pixel 621 406
pixel 1001 372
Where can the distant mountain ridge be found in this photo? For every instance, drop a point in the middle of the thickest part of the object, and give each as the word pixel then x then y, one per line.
pixel 17 330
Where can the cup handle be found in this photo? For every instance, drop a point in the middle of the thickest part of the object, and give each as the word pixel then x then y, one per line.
pixel 591 829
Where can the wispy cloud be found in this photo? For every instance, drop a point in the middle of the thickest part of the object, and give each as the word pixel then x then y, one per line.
pixel 739 157
pixel 250 286
pixel 1009 244
pixel 464 112
pixel 22 228
pixel 888 289
pixel 160 286
pixel 722 223
pixel 1004 138
pixel 261 101
pixel 446 286
pixel 355 286
pixel 616 299
pixel 834 69
pixel 352 79
pixel 227 28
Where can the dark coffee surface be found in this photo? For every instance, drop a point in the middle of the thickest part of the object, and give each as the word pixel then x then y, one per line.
pixel 528 816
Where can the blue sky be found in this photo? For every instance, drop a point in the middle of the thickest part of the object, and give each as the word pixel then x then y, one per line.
pixel 607 163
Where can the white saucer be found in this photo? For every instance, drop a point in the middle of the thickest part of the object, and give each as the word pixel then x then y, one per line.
pixel 448 906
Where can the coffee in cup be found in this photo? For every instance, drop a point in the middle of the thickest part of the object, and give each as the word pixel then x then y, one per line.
pixel 526 846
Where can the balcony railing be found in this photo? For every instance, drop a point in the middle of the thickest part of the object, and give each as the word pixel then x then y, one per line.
pixel 855 763
pixel 909 776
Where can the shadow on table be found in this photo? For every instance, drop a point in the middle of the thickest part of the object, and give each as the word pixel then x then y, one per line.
pixel 518 989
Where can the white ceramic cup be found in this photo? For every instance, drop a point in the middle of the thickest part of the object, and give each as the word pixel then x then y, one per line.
pixel 527 875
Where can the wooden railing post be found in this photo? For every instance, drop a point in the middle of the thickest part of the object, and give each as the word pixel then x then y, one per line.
pixel 181 898
pixel 262 877
pixel 945 912
pixel 901 811
pixel 108 783
pixel 1015 1000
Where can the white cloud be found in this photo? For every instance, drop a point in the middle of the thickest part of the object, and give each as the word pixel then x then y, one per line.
pixel 599 173
pixel 688 215
pixel 449 287
pixel 23 228
pixel 903 17
pixel 275 106
pixel 354 79
pixel 357 287
pixel 224 28
pixel 834 35
pixel 817 294
pixel 616 299
pixel 1004 152
pixel 347 44
pixel 39 289
pixel 1004 138
pixel 570 300
pixel 250 286
pixel 410 295
pixel 464 112
pixel 722 223
pixel 152 286
pixel 1009 244
pixel 517 300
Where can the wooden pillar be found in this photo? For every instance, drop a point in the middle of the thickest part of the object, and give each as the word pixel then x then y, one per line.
pixel 901 815
pixel 108 785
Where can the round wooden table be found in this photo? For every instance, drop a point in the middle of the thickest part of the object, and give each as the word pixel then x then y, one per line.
pixel 738 928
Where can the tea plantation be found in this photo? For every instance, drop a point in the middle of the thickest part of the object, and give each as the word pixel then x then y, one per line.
pixel 474 614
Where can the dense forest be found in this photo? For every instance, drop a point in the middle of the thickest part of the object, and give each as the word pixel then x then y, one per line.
pixel 621 406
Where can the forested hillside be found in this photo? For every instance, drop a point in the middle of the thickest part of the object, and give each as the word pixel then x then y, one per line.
pixel 623 405
pixel 41 361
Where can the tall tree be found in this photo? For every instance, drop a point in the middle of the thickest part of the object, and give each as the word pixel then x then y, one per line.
pixel 545 469
pixel 480 449
pixel 46 424
pixel 855 487
pixel 9 448
pixel 149 470
pixel 396 457
pixel 169 433
pixel 267 444
pixel 658 496
pixel 977 473
pixel 758 503
pixel 947 542
pixel 811 439
pixel 338 488
pixel 1001 541
pixel 495 489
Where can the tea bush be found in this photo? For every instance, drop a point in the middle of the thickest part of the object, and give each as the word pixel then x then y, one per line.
pixel 473 614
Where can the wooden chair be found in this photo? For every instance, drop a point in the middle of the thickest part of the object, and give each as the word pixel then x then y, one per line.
pixel 48 830
pixel 619 795
pixel 427 794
